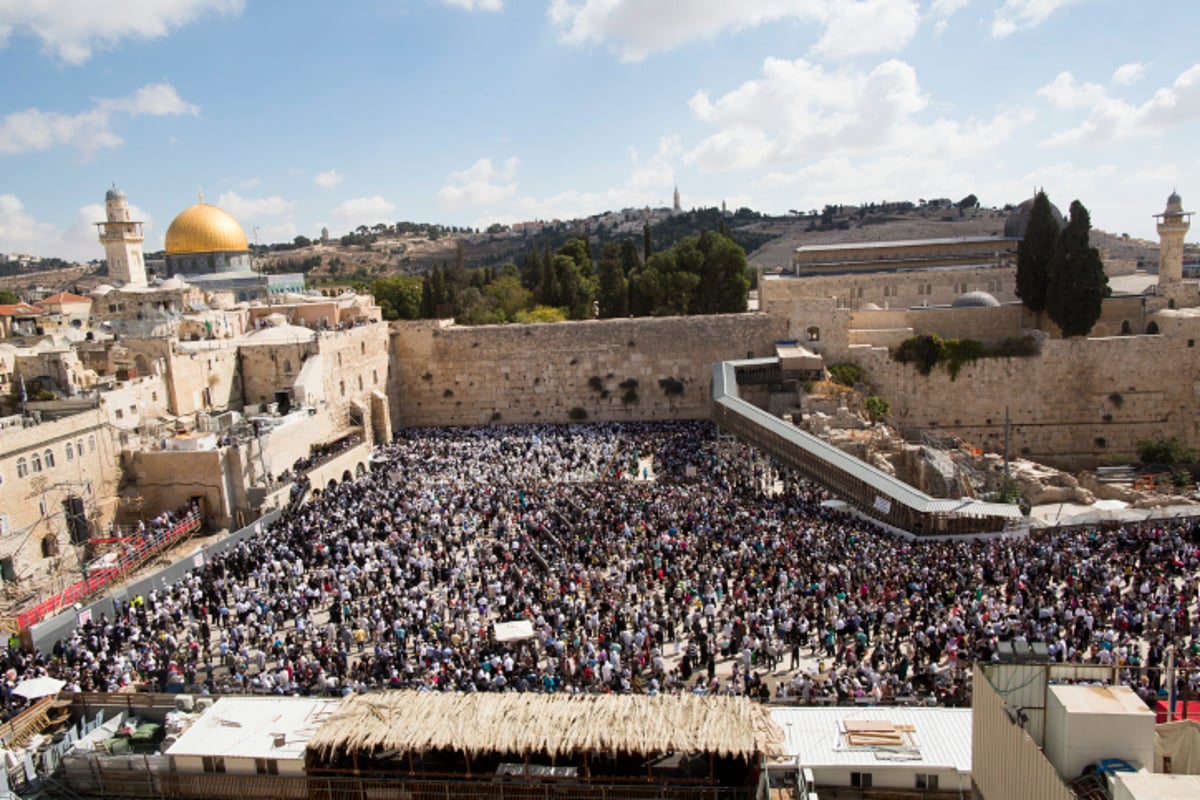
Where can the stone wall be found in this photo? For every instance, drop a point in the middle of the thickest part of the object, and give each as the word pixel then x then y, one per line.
pixel 449 375
pixel 75 456
pixel 1081 402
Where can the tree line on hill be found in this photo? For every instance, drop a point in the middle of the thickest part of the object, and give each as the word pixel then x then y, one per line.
pixel 705 273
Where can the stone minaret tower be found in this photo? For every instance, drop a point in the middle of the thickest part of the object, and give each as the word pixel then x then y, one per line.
pixel 676 206
pixel 122 239
pixel 1173 225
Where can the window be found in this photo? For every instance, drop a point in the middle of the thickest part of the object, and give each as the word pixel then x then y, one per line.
pixel 362 348
pixel 213 763
pixel 48 457
pixel 375 377
pixel 339 359
pixel 266 766
pixel 35 462
pixel 120 414
pixel 889 291
pixel 22 468
pixel 814 334
pixel 860 779
pixel 49 546
pixel 929 782
pixel 133 411
pixel 287 366
pixel 924 289
pixel 360 383
pixel 70 448
pixel 342 387
pixel 91 443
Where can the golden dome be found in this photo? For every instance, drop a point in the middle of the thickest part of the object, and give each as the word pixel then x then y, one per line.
pixel 205 229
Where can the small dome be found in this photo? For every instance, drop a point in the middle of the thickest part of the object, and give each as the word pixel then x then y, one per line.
pixel 870 307
pixel 975 300
pixel 101 290
pixel 205 229
pixel 1174 199
pixel 1018 219
pixel 114 194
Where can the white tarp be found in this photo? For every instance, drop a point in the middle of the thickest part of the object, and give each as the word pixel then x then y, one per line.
pixel 515 631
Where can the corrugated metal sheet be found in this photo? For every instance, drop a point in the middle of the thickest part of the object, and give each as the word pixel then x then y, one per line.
pixel 1006 762
pixel 942 735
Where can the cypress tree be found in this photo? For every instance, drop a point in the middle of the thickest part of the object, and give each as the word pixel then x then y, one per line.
pixel 1034 253
pixel 1077 286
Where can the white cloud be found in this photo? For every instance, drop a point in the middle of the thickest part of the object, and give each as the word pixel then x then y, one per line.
pixel 33 129
pixel 480 185
pixel 473 5
pixel 20 232
pixel 798 109
pixel 328 179
pixel 1129 74
pixel 1065 92
pixel 942 10
pixel 156 99
pixel 1017 15
pixel 1110 118
pixel 249 208
pixel 638 28
pixel 363 211
pixel 947 8
pixel 857 27
pixel 249 183
pixel 658 170
pixel 73 29
pixel 284 231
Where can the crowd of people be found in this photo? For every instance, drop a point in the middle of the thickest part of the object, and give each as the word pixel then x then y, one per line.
pixel 651 558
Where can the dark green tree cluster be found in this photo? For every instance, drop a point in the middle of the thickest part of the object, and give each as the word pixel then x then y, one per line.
pixel 1058 271
pixel 398 296
pixel 704 274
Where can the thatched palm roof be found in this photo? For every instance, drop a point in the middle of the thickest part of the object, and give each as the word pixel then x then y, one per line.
pixel 558 725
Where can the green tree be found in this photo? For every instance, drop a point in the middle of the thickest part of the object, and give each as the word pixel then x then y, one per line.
pixel 541 314
pixel 8 297
pixel 723 284
pixel 1034 254
pixel 1077 286
pixel 399 297
pixel 614 288
pixel 506 295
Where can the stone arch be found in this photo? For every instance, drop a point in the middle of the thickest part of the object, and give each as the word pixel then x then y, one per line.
pixel 1152 328
pixel 141 364
pixel 49 545
pixel 346 476
pixel 814 333
pixel 1126 328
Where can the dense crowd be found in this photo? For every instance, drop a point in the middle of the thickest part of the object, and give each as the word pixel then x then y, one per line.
pixel 655 558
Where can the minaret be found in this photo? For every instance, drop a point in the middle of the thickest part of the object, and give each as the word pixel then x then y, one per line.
pixel 677 208
pixel 122 239
pixel 1173 225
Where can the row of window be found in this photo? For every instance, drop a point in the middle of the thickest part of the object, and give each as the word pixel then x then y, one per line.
pixel 45 460
pixel 925 289
pixel 374 380
pixel 928 781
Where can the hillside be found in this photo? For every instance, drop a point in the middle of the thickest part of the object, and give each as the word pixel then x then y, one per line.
pixel 768 242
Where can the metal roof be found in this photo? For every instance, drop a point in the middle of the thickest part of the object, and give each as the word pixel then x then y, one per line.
pixel 941 737
pixel 725 393
pixel 965 240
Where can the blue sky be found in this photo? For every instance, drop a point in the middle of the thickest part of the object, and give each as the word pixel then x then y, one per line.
pixel 294 115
